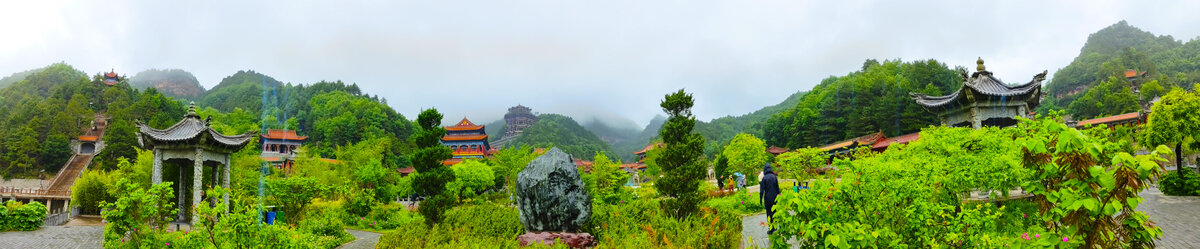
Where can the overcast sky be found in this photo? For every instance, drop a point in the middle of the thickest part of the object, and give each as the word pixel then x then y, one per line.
pixel 609 59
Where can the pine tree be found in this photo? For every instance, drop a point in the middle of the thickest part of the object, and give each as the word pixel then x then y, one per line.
pixel 681 157
pixel 432 176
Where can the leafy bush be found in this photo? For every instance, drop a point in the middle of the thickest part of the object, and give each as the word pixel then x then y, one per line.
pixel 1182 182
pixel 387 217
pixel 471 177
pixel 323 219
pixel 464 227
pixel 139 214
pixel 642 224
pixel 916 195
pixel 22 217
pixel 360 203
pixel 292 194
pixel 742 203
pixel 90 189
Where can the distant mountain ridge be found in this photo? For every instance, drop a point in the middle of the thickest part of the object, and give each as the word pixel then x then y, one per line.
pixel 171 82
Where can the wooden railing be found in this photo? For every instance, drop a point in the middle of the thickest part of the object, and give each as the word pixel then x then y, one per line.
pixel 34 191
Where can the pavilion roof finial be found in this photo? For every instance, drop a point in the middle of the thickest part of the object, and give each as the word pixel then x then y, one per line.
pixel 979 65
pixel 192 111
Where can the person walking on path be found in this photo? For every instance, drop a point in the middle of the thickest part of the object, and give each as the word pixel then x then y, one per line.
pixel 768 189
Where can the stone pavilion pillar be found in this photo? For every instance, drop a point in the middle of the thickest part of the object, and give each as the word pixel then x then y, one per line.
pixel 197 182
pixel 156 171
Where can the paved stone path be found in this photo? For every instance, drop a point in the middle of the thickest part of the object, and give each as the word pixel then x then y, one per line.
pixel 1179 217
pixel 58 237
pixel 363 240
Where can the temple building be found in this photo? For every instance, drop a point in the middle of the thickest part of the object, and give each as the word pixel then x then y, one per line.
pixel 191 154
pixel 110 78
pixel 516 120
pixel 279 148
pixel 983 100
pixel 466 140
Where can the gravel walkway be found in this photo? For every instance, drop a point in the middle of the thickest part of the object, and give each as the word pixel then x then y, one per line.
pixel 363 240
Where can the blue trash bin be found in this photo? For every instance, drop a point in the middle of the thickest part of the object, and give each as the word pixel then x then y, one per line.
pixel 270 218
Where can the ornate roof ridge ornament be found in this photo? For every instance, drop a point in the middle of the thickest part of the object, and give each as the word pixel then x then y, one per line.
pixel 192 111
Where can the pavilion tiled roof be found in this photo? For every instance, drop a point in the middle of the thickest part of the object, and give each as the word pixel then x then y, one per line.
pixel 983 83
pixel 1110 119
pixel 190 130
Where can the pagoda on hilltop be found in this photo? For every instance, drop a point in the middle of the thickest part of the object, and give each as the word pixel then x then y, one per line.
pixel 984 100
pixel 466 140
pixel 515 121
pixel 110 78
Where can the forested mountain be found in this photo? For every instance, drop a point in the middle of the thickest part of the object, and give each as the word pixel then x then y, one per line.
pixel 611 135
pixel 718 132
pixel 16 77
pixel 625 149
pixel 870 100
pixel 171 82
pixel 1095 84
pixel 40 113
pixel 43 111
pixel 562 132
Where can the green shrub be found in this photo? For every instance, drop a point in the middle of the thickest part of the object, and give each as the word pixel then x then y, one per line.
pixel 1182 182
pixel 323 219
pixel 90 190
pixel 477 226
pixel 23 217
pixel 360 203
pixel 486 220
pixel 742 203
pixel 642 224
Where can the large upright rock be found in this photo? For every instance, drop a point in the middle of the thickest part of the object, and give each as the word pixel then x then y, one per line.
pixel 551 196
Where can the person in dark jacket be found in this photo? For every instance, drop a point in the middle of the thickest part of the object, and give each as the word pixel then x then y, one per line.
pixel 768 189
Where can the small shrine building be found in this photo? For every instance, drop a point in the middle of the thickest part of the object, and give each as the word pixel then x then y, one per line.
pixel 983 100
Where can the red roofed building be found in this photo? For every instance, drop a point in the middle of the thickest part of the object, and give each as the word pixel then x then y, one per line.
pixel 882 145
pixel 1130 74
pixel 776 150
pixel 279 148
pixel 466 140
pixel 847 146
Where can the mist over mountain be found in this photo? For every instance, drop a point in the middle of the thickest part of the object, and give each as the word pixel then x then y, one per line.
pixel 170 82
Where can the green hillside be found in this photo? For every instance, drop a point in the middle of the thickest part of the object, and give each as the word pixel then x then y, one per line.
pixel 562 132
pixel 1094 84
pixel 18 76
pixel 870 100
